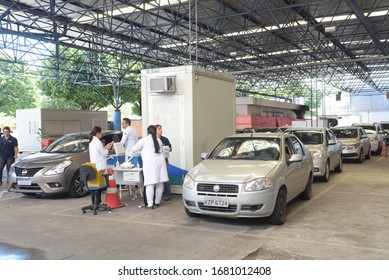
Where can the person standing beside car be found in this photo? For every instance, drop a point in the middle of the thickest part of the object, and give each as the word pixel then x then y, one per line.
pixel 130 137
pixel 98 155
pixel 154 166
pixel 9 151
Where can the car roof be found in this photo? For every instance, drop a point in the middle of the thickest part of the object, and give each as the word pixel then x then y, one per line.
pixel 322 129
pixel 344 127
pixel 363 124
pixel 256 134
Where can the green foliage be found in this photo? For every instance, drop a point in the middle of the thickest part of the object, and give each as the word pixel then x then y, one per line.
pixel 88 85
pixel 16 92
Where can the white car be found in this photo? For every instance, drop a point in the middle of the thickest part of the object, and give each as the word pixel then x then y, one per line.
pixel 325 148
pixel 250 175
pixel 376 134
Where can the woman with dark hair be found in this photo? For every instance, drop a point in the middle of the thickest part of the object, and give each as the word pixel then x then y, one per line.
pixel 97 152
pixel 98 155
pixel 154 166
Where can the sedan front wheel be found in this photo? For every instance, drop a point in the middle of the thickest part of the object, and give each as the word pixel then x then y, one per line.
pixel 278 216
pixel 77 189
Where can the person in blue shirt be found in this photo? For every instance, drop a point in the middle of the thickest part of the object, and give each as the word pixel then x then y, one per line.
pixel 9 151
pixel 167 195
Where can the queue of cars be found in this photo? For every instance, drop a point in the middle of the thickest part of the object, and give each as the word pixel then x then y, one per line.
pixel 253 174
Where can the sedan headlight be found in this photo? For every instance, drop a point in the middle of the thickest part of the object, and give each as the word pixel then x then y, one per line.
pixel 58 168
pixel 353 146
pixel 259 185
pixel 188 182
pixel 317 154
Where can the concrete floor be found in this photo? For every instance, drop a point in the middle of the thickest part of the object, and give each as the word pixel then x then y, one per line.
pixel 347 218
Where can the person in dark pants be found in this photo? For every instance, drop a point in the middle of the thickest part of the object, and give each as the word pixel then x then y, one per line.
pixel 167 194
pixel 9 151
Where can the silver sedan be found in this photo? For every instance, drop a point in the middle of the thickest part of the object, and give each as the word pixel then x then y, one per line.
pixel 250 175
pixel 326 149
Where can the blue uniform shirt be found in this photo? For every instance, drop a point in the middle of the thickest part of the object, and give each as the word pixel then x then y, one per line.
pixel 7 147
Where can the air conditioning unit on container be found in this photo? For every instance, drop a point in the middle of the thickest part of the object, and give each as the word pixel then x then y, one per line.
pixel 163 84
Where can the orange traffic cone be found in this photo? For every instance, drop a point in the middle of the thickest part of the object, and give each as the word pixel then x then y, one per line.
pixel 384 152
pixel 112 197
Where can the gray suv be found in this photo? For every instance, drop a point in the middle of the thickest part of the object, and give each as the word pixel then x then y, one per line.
pixel 55 169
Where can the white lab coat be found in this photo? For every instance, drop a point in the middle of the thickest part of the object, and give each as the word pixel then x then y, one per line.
pixel 98 154
pixel 129 139
pixel 154 165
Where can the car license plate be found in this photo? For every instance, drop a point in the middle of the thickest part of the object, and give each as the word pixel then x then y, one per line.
pixel 216 201
pixel 24 181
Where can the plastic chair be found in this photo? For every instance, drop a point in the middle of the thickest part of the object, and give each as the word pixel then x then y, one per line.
pixel 96 181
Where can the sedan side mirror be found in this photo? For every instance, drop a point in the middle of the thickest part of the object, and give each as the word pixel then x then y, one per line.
pixel 296 158
pixel 204 155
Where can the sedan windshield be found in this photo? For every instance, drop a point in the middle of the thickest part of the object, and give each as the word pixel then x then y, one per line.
pixel 346 133
pixel 70 144
pixel 309 137
pixel 247 149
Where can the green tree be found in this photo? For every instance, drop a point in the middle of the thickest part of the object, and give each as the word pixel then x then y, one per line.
pixel 89 81
pixel 16 92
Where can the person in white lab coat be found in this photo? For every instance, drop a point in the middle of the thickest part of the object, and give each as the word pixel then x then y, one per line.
pixel 154 166
pixel 130 137
pixel 98 155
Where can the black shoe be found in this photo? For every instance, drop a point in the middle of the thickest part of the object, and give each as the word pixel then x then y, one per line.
pixel 167 198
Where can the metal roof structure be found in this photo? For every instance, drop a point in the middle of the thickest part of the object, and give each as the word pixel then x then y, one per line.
pixel 344 43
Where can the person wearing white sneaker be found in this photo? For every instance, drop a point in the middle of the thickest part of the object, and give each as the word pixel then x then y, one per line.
pixel 154 165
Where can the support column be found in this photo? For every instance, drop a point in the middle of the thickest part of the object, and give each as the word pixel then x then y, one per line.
pixel 117 120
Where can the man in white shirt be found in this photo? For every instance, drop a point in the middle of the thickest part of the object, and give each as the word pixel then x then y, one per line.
pixel 130 137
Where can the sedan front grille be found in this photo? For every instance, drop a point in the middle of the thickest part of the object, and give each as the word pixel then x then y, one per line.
pixel 27 172
pixel 223 188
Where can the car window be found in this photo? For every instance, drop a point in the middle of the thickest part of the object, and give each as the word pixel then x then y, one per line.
pixel 293 146
pixel 309 137
pixel 296 145
pixel 346 133
pixel 69 144
pixel 253 148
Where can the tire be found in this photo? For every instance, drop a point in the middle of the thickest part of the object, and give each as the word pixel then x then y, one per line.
pixel 278 216
pixel 368 156
pixel 326 176
pixel 77 189
pixel 379 150
pixel 339 167
pixel 191 214
pixel 307 193
pixel 360 159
